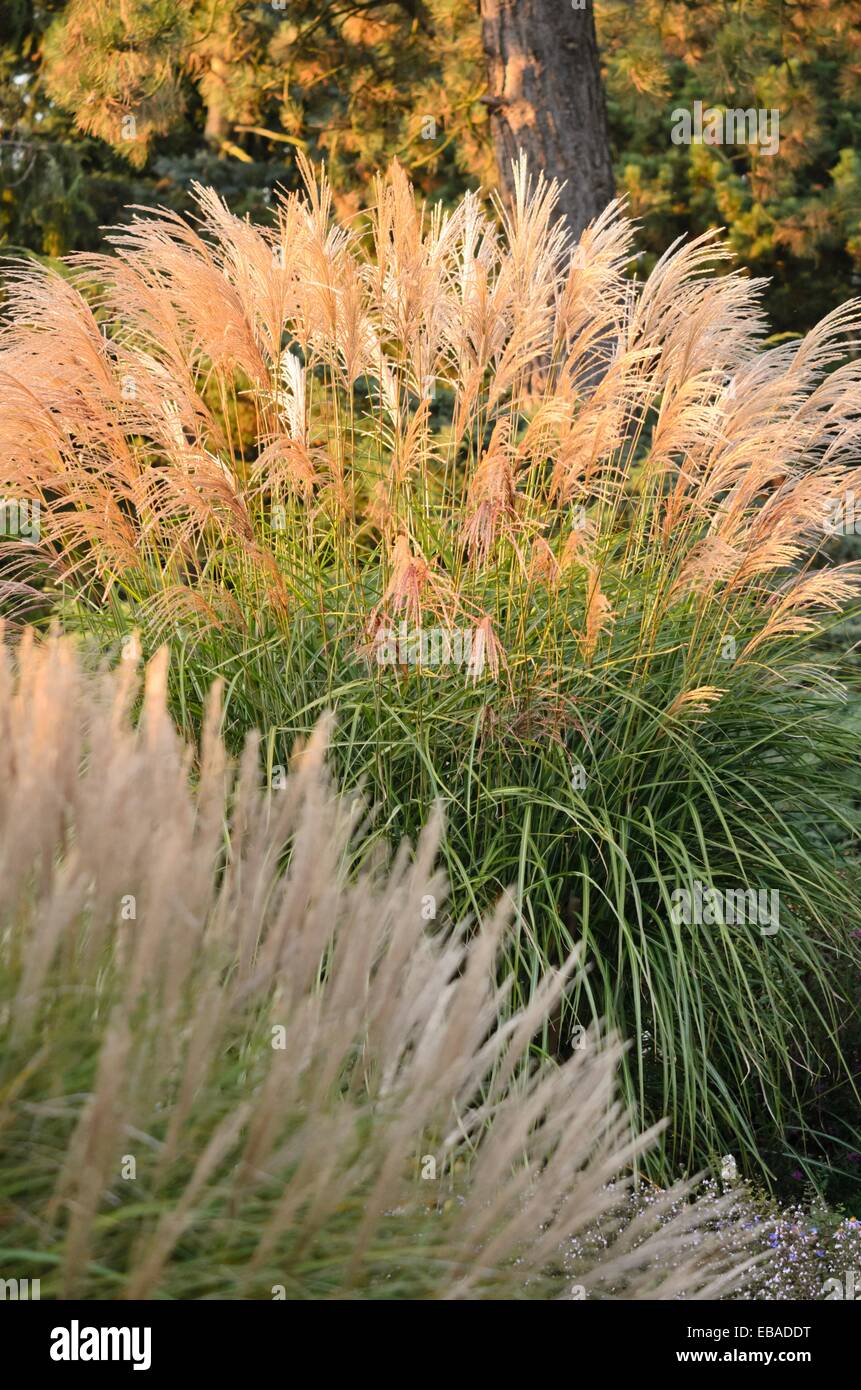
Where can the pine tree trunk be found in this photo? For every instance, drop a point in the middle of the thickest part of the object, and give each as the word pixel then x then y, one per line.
pixel 546 98
pixel 218 126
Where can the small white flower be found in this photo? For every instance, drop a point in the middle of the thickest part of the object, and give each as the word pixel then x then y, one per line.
pixel 728 1168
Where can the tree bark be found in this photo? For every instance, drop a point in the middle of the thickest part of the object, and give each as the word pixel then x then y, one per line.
pixel 546 98
pixel 218 125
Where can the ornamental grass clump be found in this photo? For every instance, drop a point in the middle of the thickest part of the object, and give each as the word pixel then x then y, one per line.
pixel 547 539
pixel 233 1064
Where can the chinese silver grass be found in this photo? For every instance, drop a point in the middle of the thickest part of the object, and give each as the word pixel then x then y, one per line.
pixel 237 1063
